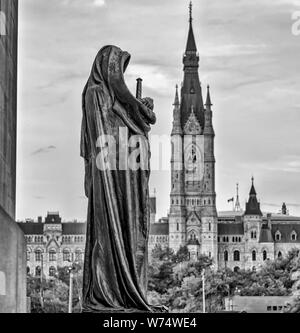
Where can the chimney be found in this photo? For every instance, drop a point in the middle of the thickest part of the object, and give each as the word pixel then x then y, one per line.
pixel 40 219
pixel 284 209
pixel 269 222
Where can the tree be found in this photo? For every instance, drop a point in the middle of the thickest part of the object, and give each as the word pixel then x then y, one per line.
pixel 55 291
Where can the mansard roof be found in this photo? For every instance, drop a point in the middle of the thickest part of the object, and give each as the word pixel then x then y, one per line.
pixel 73 228
pixel 67 228
pixel 286 230
pixel 159 229
pixel 31 228
pixel 230 229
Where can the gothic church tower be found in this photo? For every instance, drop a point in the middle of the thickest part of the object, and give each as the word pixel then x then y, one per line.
pixel 193 215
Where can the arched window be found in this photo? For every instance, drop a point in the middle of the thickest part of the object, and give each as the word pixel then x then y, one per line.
pixel 293 236
pixel 52 255
pixel 277 236
pixel 38 271
pixel 52 271
pixel 38 255
pixel 28 270
pixel 236 255
pixel 28 255
pixel 253 234
pixel 177 226
pixel 2 24
pixel 209 226
pixel 264 255
pixel 253 255
pixel 225 255
pixel 66 255
pixel 279 255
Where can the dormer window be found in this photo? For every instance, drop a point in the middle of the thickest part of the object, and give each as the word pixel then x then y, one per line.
pixel 293 236
pixel 277 236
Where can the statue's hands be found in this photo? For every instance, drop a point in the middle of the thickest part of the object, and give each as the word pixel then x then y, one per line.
pixel 147 110
pixel 148 102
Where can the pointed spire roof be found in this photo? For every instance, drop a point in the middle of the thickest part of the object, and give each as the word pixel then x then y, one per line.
pixel 176 100
pixel 208 100
pixel 253 206
pixel 191 44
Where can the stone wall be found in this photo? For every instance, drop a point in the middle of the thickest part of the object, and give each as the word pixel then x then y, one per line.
pixel 12 266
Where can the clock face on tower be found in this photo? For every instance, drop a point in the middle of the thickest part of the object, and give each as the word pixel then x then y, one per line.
pixel 194 165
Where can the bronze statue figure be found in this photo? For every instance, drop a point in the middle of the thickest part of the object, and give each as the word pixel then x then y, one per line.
pixel 115 269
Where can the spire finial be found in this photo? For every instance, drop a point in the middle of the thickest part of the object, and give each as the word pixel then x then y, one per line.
pixel 191 11
pixel 176 101
pixel 252 179
pixel 208 100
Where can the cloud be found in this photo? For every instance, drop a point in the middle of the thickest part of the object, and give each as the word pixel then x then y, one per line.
pixel 99 3
pixel 43 150
pixel 247 54
pixel 80 3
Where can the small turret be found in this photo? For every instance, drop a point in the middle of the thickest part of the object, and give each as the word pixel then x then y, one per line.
pixel 208 126
pixel 176 130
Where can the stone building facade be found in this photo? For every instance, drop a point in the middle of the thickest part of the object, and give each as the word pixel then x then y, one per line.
pixel 12 243
pixel 52 243
pixel 237 239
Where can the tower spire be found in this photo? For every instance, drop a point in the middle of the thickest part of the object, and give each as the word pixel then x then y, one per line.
pixel 237 200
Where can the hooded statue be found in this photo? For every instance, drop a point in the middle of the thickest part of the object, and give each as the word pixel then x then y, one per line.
pixel 115 267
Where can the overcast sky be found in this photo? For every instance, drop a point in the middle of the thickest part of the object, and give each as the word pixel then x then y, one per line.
pixel 248 55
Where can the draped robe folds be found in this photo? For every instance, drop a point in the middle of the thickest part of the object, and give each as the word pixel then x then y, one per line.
pixel 115 277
